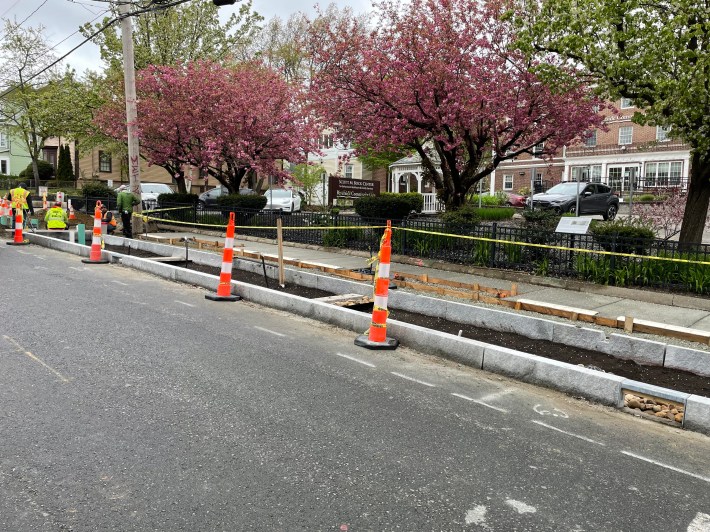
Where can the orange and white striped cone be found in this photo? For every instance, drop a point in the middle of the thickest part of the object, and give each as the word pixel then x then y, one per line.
pixel 4 208
pixel 45 205
pixel 224 289
pixel 72 216
pixel 95 255
pixel 377 336
pixel 19 239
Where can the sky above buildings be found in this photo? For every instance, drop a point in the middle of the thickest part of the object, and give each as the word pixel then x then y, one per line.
pixel 62 18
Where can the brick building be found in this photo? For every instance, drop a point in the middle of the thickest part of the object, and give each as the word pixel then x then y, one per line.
pixel 627 155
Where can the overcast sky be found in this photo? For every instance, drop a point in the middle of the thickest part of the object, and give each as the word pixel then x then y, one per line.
pixel 62 18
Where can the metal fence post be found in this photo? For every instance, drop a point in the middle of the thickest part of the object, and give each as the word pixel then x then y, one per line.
pixel 494 232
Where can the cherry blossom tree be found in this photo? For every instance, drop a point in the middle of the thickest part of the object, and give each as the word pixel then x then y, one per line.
pixel 666 217
pixel 443 78
pixel 226 121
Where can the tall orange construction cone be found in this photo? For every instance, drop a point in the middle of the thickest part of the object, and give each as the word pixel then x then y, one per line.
pixel 5 208
pixel 72 216
pixel 224 289
pixel 45 205
pixel 377 337
pixel 95 256
pixel 19 239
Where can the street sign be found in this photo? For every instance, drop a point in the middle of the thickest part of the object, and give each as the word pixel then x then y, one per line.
pixel 576 226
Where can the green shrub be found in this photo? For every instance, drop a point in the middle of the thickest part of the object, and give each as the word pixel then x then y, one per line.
pixel 339 238
pixel 177 198
pixel 624 235
pixel 646 197
pixel 494 214
pixel 240 201
pixel 65 171
pixel 488 201
pixel 97 189
pixel 388 205
pixel 462 220
pixel 541 219
pixel 44 169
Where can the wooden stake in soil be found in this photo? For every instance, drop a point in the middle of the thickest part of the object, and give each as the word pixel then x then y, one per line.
pixel 280 238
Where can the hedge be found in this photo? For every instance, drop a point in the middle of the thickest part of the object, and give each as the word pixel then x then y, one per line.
pixel 389 205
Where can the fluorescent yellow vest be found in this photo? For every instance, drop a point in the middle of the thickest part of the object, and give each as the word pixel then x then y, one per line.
pixel 56 218
pixel 19 195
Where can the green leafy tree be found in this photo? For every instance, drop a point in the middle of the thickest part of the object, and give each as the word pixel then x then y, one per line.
pixel 656 53
pixel 65 171
pixel 309 177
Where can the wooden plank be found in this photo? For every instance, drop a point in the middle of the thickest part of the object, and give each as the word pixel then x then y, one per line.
pixel 552 309
pixel 673 331
pixel 629 324
pixel 606 322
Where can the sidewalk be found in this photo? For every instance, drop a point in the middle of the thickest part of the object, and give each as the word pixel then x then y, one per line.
pixel 612 302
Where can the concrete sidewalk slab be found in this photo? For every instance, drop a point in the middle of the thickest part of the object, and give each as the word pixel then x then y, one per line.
pixel 652 312
pixel 559 296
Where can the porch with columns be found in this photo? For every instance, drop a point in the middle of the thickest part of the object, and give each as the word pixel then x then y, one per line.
pixel 408 175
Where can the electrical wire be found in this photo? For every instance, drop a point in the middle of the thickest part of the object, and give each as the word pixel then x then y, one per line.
pixel 9 8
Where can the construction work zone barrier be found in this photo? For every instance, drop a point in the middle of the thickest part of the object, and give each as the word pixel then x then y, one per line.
pixel 19 239
pixel 72 216
pixel 5 208
pixel 224 289
pixel 96 239
pixel 45 205
pixel 377 335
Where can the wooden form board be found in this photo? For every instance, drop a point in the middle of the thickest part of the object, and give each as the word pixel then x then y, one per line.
pixel 663 329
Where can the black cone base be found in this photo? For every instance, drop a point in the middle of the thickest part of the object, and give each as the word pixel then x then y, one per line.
pixel 24 243
pixel 100 261
pixel 364 341
pixel 215 297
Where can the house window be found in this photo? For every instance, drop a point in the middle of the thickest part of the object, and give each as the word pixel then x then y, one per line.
pixel 507 182
pixel 3 167
pixel 662 134
pixel 626 135
pixel 538 149
pixel 590 141
pixel 590 174
pixel 104 161
pixel 348 171
pixel 3 140
pixel 626 103
pixel 663 174
pixel 326 141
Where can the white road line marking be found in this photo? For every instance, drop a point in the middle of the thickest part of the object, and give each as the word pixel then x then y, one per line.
pixel 701 523
pixel 677 470
pixel 268 331
pixel 520 506
pixel 568 433
pixel 22 350
pixel 40 257
pixel 119 282
pixel 476 516
pixel 495 395
pixel 183 303
pixel 480 402
pixel 23 252
pixel 413 379
pixel 356 360
pixel 41 268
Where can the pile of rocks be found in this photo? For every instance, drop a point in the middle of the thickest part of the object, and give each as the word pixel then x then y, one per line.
pixel 655 407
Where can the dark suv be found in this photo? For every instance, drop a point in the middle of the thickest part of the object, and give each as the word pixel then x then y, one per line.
pixel 594 198
pixel 209 198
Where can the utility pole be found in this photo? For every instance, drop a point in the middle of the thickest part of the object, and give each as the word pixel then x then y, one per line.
pixel 129 78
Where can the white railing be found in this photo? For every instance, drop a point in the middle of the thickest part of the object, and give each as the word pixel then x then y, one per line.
pixel 432 205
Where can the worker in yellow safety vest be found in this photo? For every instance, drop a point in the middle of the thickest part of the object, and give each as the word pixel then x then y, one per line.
pixel 21 197
pixel 56 217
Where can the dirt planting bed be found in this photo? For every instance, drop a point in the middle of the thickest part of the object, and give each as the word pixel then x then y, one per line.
pixel 674 379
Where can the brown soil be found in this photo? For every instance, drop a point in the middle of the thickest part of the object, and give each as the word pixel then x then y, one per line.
pixel 674 379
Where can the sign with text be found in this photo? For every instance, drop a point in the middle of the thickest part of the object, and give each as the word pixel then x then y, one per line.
pixel 576 226
pixel 342 188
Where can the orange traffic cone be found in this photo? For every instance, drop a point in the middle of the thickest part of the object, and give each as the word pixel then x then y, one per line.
pixel 377 337
pixel 19 239
pixel 45 205
pixel 95 256
pixel 224 289
pixel 72 216
pixel 4 208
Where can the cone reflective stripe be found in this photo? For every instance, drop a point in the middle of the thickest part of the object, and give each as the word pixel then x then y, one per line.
pixel 72 216
pixel 19 240
pixel 377 336
pixel 95 255
pixel 224 289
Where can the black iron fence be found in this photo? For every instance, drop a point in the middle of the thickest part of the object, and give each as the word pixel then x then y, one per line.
pixel 604 260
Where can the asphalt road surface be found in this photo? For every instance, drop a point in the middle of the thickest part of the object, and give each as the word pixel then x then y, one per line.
pixel 131 403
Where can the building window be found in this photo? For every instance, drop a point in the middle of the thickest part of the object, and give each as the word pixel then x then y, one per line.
pixel 589 174
pixel 626 135
pixel 3 139
pixel 590 140
pixel 507 182
pixel 3 167
pixel 663 174
pixel 538 149
pixel 348 171
pixel 326 141
pixel 104 161
pixel 662 134
pixel 626 103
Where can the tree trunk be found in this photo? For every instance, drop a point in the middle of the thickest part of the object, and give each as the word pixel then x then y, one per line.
pixel 698 199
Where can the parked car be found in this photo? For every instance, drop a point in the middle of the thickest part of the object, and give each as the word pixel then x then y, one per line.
pixel 209 198
pixel 150 193
pixel 594 198
pixel 515 200
pixel 281 199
